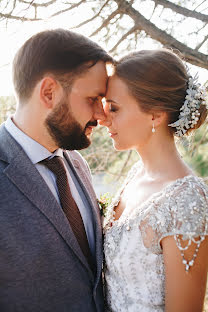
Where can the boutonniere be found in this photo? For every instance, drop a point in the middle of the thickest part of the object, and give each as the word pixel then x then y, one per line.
pixel 104 202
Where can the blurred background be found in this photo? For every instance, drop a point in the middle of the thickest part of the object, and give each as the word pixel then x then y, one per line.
pixel 119 26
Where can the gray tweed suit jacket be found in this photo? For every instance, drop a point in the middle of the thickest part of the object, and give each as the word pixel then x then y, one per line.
pixel 42 268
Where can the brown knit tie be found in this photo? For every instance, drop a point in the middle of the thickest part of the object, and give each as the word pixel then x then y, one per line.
pixel 69 205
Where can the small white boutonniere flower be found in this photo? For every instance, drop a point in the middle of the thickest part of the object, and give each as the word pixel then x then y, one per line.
pixel 104 202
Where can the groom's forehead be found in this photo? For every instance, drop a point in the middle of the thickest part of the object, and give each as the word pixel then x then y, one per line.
pixel 90 90
pixel 93 81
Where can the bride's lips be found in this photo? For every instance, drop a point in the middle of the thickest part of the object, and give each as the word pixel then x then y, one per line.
pixel 112 134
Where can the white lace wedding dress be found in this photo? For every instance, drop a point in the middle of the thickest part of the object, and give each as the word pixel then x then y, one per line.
pixel 134 267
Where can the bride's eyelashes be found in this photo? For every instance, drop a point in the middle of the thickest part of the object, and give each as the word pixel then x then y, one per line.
pixel 112 108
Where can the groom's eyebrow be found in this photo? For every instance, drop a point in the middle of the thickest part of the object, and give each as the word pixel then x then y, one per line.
pixel 98 95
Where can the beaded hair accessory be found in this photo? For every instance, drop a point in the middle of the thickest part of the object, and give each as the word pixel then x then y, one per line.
pixel 189 112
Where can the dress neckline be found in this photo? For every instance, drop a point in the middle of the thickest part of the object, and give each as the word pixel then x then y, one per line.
pixel 110 221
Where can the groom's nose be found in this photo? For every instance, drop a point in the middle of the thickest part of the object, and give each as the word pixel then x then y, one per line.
pixel 99 113
pixel 106 120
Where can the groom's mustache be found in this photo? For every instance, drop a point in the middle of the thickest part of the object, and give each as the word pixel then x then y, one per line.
pixel 91 124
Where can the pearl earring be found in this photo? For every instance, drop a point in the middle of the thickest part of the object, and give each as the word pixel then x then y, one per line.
pixel 153 128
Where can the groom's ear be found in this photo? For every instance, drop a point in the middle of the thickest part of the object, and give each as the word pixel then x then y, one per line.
pixel 50 92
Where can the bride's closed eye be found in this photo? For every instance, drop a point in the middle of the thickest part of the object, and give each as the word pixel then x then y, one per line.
pixel 112 108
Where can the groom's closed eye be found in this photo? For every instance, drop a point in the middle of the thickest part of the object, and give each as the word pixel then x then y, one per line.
pixel 96 98
pixel 92 100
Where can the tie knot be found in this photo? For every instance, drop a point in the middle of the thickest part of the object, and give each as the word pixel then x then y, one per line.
pixel 55 164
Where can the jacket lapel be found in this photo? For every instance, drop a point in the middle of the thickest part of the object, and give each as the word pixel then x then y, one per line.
pixel 80 172
pixel 28 180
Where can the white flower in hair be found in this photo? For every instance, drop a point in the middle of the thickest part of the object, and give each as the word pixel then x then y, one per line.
pixel 189 112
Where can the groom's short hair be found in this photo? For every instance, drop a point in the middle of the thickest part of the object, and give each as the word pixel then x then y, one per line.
pixel 60 52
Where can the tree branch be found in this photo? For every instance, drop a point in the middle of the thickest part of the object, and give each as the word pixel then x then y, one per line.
pixel 76 5
pixel 200 4
pixel 153 11
pixel 105 23
pixel 198 30
pixel 34 4
pixel 192 56
pixel 201 44
pixel 4 65
pixel 18 18
pixel 124 164
pixel 133 29
pixel 181 10
pixel 92 18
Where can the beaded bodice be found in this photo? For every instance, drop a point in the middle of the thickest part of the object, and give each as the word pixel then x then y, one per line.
pixel 134 267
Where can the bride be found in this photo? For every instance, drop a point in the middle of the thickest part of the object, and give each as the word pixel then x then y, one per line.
pixel 156 245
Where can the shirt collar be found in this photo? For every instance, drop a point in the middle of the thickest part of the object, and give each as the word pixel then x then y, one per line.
pixel 34 150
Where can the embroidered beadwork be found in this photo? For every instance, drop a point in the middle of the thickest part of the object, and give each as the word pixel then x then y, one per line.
pixel 134 270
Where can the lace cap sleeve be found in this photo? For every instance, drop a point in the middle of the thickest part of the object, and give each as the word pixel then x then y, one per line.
pixel 188 215
pixel 180 211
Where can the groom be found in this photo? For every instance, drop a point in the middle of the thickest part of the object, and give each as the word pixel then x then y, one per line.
pixel 50 231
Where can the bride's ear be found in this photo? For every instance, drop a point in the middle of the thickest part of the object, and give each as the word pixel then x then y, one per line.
pixel 159 118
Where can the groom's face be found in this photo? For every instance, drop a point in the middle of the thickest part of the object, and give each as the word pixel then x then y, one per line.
pixel 72 120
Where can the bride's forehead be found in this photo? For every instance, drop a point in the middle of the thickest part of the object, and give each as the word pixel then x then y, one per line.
pixel 116 86
pixel 118 91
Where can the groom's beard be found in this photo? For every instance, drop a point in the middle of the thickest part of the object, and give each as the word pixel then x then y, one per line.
pixel 65 130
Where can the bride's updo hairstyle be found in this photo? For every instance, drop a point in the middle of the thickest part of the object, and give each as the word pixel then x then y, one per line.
pixel 158 80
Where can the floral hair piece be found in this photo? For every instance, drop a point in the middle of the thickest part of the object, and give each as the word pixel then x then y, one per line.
pixel 189 112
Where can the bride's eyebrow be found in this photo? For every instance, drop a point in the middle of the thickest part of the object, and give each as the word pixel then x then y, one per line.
pixel 111 101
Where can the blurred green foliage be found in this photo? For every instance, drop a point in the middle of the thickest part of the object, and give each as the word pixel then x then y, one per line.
pixel 195 150
pixel 7 107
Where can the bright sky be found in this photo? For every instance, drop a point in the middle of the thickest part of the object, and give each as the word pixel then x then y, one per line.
pixel 17 33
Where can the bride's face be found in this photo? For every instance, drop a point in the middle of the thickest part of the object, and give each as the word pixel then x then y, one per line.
pixel 129 127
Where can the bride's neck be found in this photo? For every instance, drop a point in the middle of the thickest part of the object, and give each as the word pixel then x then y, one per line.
pixel 161 159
